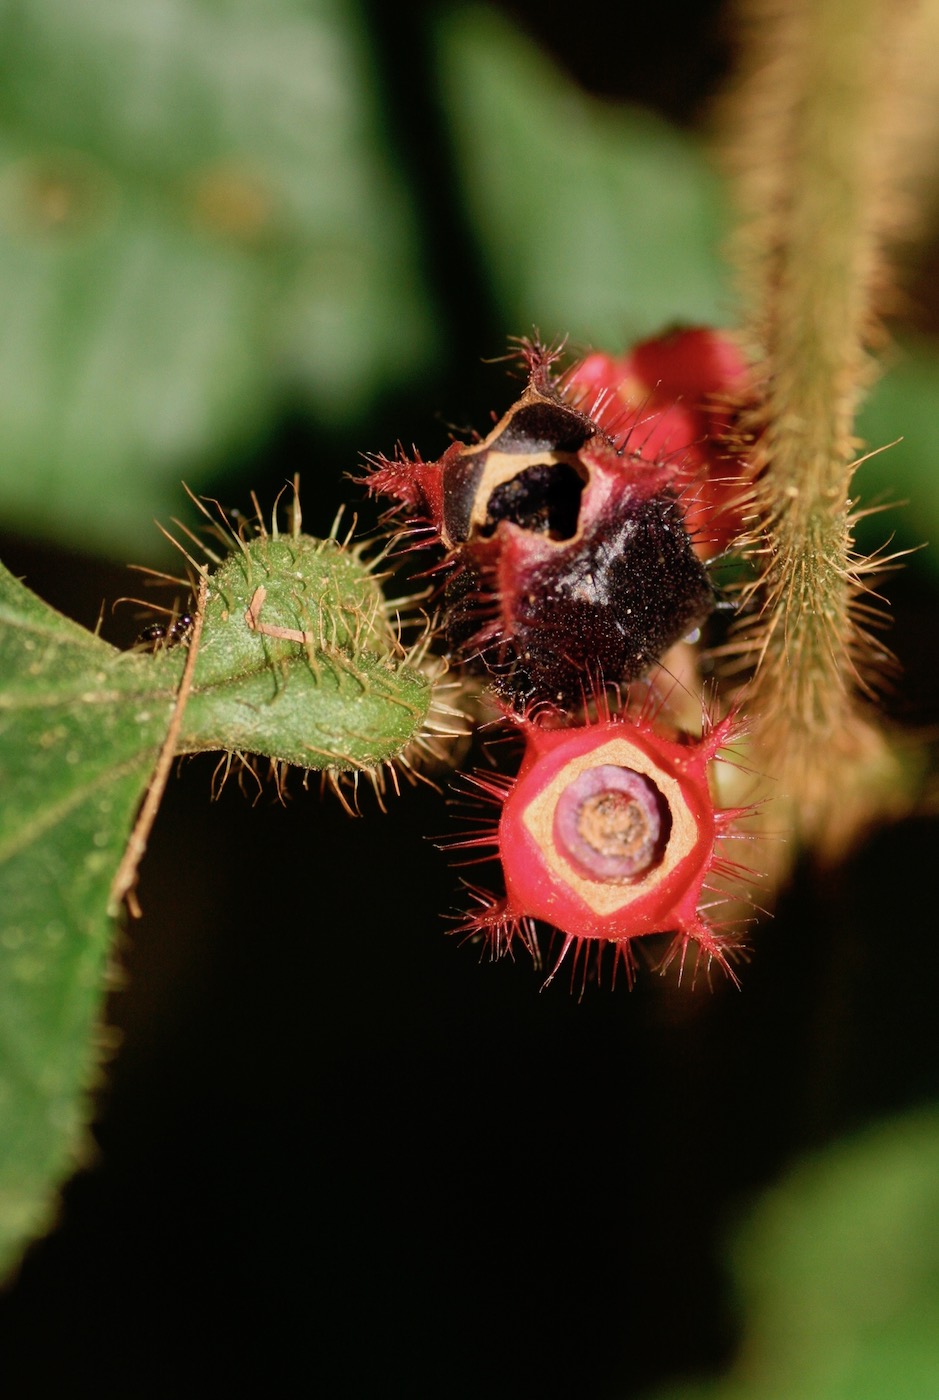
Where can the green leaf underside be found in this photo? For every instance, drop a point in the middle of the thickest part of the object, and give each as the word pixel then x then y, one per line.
pixel 597 222
pixel 195 222
pixel 81 726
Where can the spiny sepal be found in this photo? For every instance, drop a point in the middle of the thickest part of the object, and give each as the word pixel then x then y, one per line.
pixel 300 661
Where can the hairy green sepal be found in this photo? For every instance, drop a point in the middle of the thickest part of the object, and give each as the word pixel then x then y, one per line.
pixel 338 699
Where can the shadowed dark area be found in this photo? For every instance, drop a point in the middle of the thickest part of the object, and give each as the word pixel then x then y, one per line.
pixel 543 498
pixel 334 1144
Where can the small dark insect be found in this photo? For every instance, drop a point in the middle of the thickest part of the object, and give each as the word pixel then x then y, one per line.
pixel 160 635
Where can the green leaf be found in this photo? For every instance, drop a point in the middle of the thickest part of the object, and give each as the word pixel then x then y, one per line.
pixel 901 410
pixel 77 745
pixel 297 661
pixel 196 222
pixel 596 221
pixel 839 1275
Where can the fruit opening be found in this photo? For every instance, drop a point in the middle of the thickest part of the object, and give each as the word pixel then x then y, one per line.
pixel 544 498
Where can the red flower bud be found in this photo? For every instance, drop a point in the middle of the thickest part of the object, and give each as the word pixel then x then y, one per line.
pixel 674 398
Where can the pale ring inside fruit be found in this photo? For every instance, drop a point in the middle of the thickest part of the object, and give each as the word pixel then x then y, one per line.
pixel 611 824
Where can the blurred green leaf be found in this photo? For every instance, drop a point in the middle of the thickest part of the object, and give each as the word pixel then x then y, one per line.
pixel 902 405
pixel 596 221
pixel 196 222
pixel 838 1271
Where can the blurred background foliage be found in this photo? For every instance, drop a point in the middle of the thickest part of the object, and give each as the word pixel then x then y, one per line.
pixel 242 240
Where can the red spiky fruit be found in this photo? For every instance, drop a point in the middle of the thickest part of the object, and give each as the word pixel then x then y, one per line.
pixel 572 564
pixel 610 833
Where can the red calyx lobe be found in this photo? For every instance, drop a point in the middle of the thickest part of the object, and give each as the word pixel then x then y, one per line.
pixel 673 398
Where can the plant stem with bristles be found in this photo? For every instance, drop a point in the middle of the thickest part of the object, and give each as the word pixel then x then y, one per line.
pixel 814 183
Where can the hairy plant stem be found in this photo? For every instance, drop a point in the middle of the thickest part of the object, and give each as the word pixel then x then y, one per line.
pixel 814 179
